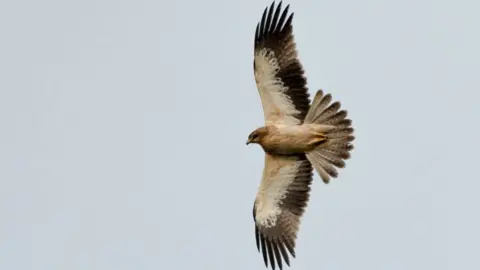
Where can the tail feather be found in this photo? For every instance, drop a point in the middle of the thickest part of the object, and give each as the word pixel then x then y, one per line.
pixel 340 153
pixel 327 113
pixel 345 123
pixel 322 166
pixel 331 153
pixel 340 133
pixel 340 147
pixel 336 118
pixel 332 157
pixel 319 104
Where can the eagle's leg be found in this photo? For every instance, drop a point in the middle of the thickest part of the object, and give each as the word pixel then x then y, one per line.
pixel 317 138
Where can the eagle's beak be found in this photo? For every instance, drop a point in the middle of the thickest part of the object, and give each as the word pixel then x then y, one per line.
pixel 248 141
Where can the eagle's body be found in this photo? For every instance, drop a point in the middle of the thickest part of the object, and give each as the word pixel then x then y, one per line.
pixel 283 139
pixel 298 137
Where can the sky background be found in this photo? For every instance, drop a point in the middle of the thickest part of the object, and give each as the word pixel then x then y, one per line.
pixel 123 128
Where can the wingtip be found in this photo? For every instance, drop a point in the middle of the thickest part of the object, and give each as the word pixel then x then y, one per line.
pixel 269 25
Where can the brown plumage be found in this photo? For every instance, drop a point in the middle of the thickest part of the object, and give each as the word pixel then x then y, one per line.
pixel 296 137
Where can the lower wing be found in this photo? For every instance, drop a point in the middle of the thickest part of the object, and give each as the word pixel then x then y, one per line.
pixel 279 205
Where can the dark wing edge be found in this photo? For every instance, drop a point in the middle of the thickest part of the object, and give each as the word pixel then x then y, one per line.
pixel 273 243
pixel 275 32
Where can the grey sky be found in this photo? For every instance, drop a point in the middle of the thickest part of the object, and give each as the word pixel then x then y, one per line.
pixel 123 128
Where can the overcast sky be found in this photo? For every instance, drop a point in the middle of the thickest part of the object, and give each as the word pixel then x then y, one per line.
pixel 123 129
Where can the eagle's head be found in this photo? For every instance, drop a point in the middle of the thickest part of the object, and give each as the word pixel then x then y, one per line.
pixel 257 135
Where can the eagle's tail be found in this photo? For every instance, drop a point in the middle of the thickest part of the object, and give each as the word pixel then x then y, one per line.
pixel 332 151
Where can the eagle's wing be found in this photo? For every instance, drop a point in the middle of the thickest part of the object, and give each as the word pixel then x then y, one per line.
pixel 278 73
pixel 279 205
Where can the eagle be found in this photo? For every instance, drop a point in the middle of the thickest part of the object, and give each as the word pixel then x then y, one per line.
pixel 298 137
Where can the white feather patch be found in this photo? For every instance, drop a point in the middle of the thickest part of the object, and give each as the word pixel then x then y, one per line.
pixel 277 106
pixel 272 191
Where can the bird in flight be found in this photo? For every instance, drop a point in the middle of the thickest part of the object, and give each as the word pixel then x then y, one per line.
pixel 298 136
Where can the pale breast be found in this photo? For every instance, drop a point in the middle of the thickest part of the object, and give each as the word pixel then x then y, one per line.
pixel 285 139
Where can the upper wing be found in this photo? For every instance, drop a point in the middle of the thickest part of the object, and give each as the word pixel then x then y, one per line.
pixel 278 73
pixel 279 205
